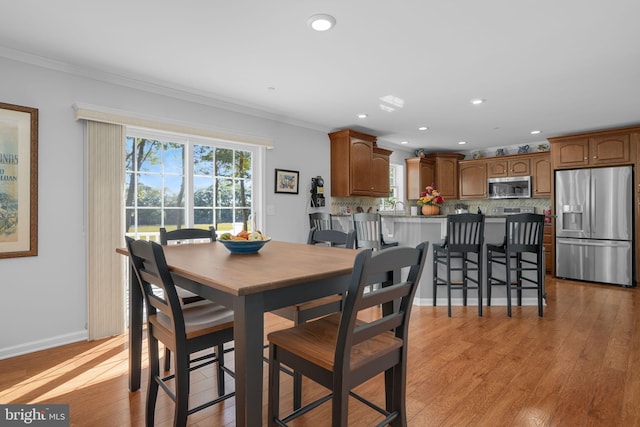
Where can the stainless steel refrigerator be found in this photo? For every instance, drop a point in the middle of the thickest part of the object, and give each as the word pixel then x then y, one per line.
pixel 594 225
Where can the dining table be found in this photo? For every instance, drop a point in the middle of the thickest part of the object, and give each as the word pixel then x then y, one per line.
pixel 279 275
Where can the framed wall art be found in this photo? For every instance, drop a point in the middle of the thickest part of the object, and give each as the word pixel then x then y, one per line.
pixel 18 181
pixel 287 181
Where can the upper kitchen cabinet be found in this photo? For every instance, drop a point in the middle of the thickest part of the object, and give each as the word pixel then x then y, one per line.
pixel 446 173
pixel 440 169
pixel 501 167
pixel 541 175
pixel 419 172
pixel 358 166
pixel 473 179
pixel 595 149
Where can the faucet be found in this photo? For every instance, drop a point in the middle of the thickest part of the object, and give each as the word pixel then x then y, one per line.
pixel 395 205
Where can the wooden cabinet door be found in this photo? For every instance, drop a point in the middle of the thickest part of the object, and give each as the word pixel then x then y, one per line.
pixel 497 168
pixel 473 180
pixel 419 173
pixel 446 177
pixel 541 175
pixel 361 169
pixel 609 150
pixel 519 167
pixel 573 153
pixel 380 175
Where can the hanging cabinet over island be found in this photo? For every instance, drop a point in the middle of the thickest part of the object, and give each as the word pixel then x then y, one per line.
pixel 358 166
pixel 440 169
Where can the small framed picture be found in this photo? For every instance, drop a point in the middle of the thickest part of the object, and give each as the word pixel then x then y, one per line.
pixel 287 181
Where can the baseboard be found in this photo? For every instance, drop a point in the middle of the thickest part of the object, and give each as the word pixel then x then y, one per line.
pixel 43 344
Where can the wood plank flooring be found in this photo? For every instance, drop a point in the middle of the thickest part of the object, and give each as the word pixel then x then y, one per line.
pixel 577 366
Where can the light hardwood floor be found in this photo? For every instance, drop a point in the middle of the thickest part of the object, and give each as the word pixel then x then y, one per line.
pixel 577 366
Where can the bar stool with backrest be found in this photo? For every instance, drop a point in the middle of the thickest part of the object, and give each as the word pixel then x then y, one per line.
pixel 464 238
pixel 178 237
pixel 342 350
pixel 321 221
pixel 306 311
pixel 523 235
pixel 185 329
pixel 368 227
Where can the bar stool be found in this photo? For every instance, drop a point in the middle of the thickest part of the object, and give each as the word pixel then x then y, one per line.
pixel 523 234
pixel 465 236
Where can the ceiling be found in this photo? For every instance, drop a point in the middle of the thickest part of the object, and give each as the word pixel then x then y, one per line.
pixel 560 67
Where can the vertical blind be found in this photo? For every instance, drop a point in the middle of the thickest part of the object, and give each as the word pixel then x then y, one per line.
pixel 106 270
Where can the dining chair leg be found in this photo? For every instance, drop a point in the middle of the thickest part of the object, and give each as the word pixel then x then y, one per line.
pixel 449 284
pixel 154 374
pixel 181 388
pixel 220 355
pixel 273 405
pixel 507 268
pixel 480 283
pixel 465 275
pixel 435 278
pixel 340 406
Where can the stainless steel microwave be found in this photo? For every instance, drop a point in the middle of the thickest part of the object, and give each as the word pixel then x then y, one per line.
pixel 515 187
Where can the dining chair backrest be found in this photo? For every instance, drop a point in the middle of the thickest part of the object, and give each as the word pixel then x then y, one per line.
pixel 524 233
pixel 150 267
pixel 321 221
pixel 332 238
pixel 465 232
pixel 186 234
pixel 395 295
pixel 368 228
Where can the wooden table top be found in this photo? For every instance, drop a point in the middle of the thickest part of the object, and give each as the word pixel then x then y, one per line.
pixel 276 265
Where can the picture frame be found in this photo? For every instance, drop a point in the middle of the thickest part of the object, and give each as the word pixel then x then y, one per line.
pixel 18 181
pixel 287 181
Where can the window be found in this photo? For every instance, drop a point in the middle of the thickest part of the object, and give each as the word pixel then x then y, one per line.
pixel 395 190
pixel 176 182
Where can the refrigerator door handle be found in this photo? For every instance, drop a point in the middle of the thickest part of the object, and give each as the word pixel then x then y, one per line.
pixel 579 242
pixel 592 202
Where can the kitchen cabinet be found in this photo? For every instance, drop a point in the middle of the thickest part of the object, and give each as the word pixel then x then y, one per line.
pixel 419 173
pixel 635 141
pixel 596 149
pixel 541 175
pixel 446 173
pixel 440 169
pixel 473 179
pixel 504 167
pixel 549 248
pixel 358 166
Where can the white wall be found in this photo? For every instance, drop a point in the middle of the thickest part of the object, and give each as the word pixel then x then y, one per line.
pixel 43 298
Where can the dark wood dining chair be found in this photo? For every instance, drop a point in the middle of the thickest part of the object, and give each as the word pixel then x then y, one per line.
pixel 185 329
pixel 460 252
pixel 523 234
pixel 340 351
pixel 303 312
pixel 185 236
pixel 368 227
pixel 321 221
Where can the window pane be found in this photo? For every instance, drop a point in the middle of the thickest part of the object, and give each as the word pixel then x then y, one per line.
pixel 149 190
pixel 225 193
pixel 224 219
pixel 149 219
pixel 174 217
pixel 203 217
pixel 243 193
pixel 243 164
pixel 203 192
pixel 148 155
pixel 202 160
pixel 224 162
pixel 173 191
pixel 174 158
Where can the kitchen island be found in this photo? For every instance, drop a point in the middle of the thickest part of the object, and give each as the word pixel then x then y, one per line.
pixel 411 230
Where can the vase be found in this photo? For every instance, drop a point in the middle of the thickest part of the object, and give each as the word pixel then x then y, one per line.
pixel 430 210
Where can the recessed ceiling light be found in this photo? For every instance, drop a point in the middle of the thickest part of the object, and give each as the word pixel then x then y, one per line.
pixel 362 116
pixel 477 101
pixel 423 128
pixel 404 142
pixel 462 142
pixel 321 22
pixel 535 132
